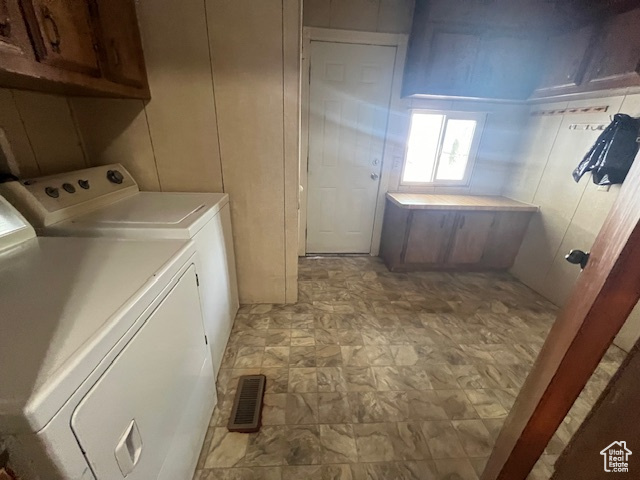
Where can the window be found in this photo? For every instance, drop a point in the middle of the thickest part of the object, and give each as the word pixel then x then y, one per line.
pixel 441 147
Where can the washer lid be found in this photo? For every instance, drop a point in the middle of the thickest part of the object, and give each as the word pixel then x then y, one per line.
pixel 156 210
pixel 64 303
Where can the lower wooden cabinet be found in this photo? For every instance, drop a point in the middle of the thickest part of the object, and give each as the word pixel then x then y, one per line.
pixel 414 239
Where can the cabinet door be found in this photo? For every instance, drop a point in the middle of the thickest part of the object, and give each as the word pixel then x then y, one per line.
pixel 508 67
pixel 450 66
pixel 616 62
pixel 505 239
pixel 14 39
pixel 62 34
pixel 567 60
pixel 429 235
pixel 121 56
pixel 472 230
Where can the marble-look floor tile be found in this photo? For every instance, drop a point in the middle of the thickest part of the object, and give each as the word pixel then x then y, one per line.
pixel 274 407
pixel 303 380
pixel 373 407
pixel 206 446
pixel 354 356
pixel 455 469
pixel 411 470
pixel 275 357
pixel 359 379
pixel 456 404
pixel 302 357
pixel 474 437
pixel 317 472
pixel 334 407
pixel 374 443
pixel 303 445
pixel 302 321
pixel 280 337
pixel 242 473
pixel 403 355
pixel 487 403
pixel 302 337
pixel 468 377
pixel 338 444
pixel 409 442
pixel 227 449
pixel 379 355
pixel 494 425
pixel 348 337
pixel 249 338
pixel 331 379
pixel 328 356
pixel 302 408
pixel 248 357
pixel 441 377
pixel 442 440
pixel 401 378
pixel 425 405
pixel 478 465
pixel 277 379
pixel 266 447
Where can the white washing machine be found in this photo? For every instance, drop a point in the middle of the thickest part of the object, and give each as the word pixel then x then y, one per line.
pixel 105 202
pixel 97 380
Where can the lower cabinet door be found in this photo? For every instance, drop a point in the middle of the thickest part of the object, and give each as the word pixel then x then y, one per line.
pixel 127 421
pixel 429 235
pixel 471 231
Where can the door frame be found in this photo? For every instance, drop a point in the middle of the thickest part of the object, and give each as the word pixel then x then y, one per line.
pixel 399 41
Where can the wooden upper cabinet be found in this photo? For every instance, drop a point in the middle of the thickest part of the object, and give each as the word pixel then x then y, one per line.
pixel 566 59
pixel 471 232
pixel 451 62
pixel 62 35
pixel 120 49
pixel 72 47
pixel 14 38
pixel 508 66
pixel 428 238
pixel 616 60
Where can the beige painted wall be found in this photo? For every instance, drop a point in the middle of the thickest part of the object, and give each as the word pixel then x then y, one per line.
pixel 172 142
pixel 390 16
pixel 571 214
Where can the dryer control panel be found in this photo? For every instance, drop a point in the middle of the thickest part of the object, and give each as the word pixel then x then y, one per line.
pixel 48 200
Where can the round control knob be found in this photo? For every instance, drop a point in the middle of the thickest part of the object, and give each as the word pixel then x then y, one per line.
pixel 69 188
pixel 84 184
pixel 52 192
pixel 114 176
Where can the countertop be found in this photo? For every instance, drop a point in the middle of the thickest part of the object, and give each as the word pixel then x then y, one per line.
pixel 424 201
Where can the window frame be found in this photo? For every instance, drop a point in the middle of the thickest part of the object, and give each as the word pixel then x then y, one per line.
pixel 480 119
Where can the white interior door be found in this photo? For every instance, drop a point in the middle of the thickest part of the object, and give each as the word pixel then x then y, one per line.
pixel 348 108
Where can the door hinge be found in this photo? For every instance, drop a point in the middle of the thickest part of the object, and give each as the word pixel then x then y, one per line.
pixel 206 340
pixel 197 280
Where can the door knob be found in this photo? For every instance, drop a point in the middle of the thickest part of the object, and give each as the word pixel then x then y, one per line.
pixel 374 176
pixel 578 257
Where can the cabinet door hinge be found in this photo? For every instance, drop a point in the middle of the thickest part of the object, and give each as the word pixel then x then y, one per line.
pixel 206 340
pixel 197 280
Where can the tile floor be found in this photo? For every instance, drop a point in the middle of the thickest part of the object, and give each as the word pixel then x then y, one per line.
pixel 379 375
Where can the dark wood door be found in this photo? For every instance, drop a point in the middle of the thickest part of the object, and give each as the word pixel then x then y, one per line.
pixel 429 235
pixel 62 34
pixel 470 236
pixel 566 61
pixel 604 295
pixel 616 61
pixel 451 62
pixel 121 56
pixel 14 39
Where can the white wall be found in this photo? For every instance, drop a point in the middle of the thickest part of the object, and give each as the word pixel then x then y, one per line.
pixel 571 214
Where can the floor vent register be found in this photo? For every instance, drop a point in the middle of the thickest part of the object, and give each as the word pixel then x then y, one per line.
pixel 246 414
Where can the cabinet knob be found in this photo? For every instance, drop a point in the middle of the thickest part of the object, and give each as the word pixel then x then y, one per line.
pixel 374 176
